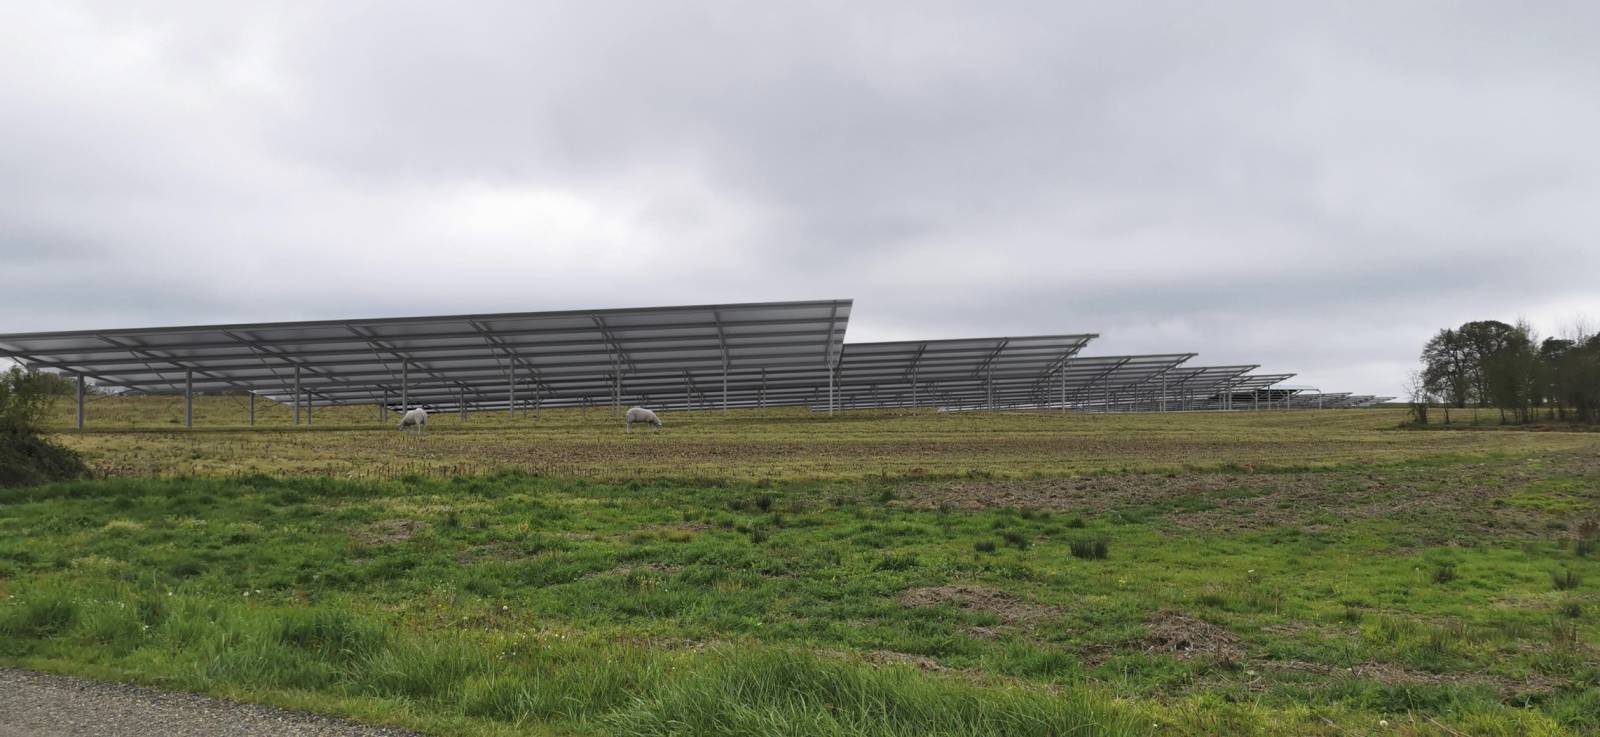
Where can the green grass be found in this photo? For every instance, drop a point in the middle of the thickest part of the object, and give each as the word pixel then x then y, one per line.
pixel 780 572
pixel 525 604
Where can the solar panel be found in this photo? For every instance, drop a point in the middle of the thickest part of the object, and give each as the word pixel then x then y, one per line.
pixel 558 358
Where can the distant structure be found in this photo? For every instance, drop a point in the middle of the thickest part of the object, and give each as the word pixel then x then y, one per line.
pixel 696 357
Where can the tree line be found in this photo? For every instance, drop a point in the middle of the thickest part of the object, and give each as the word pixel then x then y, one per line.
pixel 1508 367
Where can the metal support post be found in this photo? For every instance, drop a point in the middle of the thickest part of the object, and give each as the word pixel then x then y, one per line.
pixel 405 387
pixel 252 409
pixel 297 394
pixel 830 390
pixel 80 401
pixel 462 405
pixel 511 394
pixel 188 397
pixel 1163 394
pixel 724 389
pixel 308 408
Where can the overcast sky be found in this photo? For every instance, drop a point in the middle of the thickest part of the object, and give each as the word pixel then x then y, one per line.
pixel 1314 188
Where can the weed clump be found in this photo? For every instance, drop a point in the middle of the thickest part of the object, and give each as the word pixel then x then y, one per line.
pixel 1565 580
pixel 1095 549
pixel 984 546
pixel 1444 573
pixel 1015 539
pixel 1587 537
pixel 903 562
pixel 764 502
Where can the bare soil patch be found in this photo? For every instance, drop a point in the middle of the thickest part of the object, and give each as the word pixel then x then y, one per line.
pixel 389 531
pixel 1182 636
pixel 1008 607
pixel 1390 674
pixel 656 568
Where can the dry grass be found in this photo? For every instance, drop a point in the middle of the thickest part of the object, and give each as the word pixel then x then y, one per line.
pixel 143 436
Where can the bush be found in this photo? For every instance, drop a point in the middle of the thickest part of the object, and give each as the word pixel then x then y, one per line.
pixel 26 458
pixel 1565 580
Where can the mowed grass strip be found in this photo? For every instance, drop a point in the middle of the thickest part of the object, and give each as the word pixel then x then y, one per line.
pixel 1318 602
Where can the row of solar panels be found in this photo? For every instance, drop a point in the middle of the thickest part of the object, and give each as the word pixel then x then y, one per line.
pixel 733 355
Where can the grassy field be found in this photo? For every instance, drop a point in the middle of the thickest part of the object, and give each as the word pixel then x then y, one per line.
pixel 143 437
pixel 1312 573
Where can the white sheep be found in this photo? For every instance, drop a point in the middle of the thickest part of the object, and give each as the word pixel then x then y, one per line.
pixel 417 418
pixel 640 414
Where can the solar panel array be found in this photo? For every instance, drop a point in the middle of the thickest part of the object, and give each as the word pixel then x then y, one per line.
pixel 763 354
pixel 662 355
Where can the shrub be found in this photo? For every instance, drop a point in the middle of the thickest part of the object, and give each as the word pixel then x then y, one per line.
pixel 984 546
pixel 764 502
pixel 26 458
pixel 1096 549
pixel 1444 573
pixel 1565 580
pixel 1572 609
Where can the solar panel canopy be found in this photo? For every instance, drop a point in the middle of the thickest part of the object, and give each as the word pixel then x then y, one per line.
pixel 951 372
pixel 759 354
pixel 659 355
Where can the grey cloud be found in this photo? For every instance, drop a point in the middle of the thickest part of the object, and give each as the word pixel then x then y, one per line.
pixel 1314 189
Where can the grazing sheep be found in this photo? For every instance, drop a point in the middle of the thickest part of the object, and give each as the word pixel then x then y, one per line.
pixel 640 414
pixel 417 418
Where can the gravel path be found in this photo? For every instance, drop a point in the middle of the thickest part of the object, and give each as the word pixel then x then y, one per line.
pixel 43 705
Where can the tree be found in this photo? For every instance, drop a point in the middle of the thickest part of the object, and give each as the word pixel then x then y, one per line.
pixel 1444 368
pixel 1419 396
pixel 1482 342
